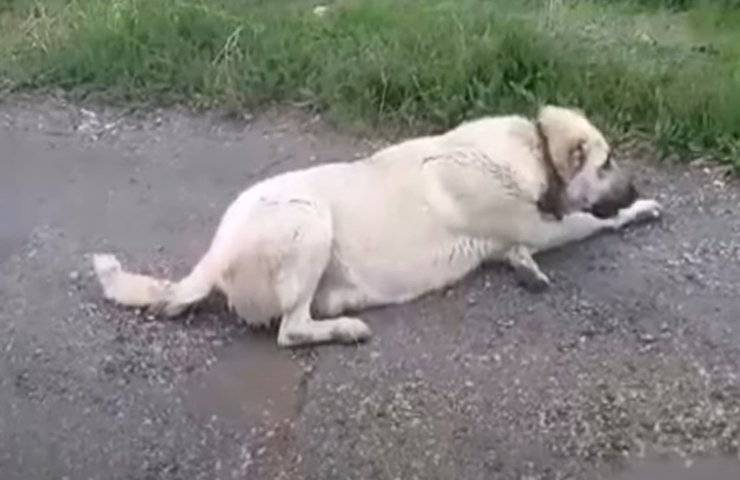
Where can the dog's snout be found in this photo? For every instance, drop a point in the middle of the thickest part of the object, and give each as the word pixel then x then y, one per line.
pixel 622 196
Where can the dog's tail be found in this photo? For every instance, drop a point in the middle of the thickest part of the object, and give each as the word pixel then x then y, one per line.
pixel 135 290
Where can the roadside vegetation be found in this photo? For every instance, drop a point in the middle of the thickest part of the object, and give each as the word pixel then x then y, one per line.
pixel 667 70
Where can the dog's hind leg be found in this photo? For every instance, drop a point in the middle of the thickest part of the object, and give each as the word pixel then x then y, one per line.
pixel 303 257
pixel 297 328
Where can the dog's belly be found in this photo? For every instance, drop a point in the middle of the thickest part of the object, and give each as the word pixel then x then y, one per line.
pixel 402 274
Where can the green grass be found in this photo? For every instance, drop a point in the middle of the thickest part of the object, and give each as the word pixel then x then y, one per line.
pixel 665 69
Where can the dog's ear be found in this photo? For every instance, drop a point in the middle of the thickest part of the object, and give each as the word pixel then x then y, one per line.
pixel 576 158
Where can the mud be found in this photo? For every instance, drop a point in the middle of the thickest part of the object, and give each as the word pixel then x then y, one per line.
pixel 625 369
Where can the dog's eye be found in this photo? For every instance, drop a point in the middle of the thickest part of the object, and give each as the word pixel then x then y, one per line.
pixel 608 164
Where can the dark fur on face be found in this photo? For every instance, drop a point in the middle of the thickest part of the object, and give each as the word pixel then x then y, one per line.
pixel 622 196
pixel 552 201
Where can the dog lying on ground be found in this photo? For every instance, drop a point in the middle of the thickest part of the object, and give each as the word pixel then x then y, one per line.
pixel 308 246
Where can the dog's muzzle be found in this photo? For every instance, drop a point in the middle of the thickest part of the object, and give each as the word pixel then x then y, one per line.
pixel 617 198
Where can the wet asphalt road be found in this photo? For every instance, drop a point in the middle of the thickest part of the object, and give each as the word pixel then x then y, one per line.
pixel 631 356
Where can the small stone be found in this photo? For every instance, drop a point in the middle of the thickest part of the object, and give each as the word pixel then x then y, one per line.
pixel 74 275
pixel 647 338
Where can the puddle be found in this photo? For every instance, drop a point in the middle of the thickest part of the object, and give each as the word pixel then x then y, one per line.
pixel 252 380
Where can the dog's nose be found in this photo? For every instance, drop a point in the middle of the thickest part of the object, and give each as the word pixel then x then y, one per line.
pixel 617 199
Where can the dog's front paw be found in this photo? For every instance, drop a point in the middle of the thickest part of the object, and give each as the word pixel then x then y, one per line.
pixel 531 280
pixel 526 270
pixel 644 210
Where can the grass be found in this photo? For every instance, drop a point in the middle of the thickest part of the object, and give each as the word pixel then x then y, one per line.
pixel 665 69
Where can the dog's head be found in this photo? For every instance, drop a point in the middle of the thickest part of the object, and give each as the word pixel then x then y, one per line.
pixel 589 177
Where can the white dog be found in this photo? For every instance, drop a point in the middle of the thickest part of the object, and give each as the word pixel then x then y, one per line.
pixel 307 246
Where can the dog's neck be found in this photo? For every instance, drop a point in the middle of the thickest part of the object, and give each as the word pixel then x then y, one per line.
pixel 552 200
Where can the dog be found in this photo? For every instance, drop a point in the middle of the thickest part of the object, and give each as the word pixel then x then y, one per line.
pixel 308 246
